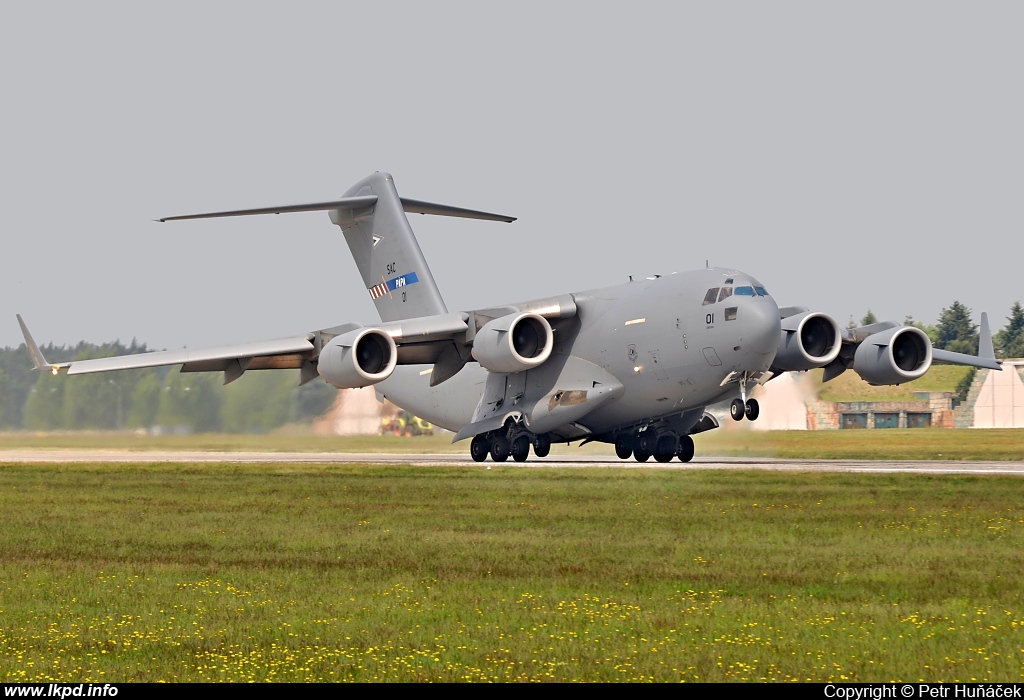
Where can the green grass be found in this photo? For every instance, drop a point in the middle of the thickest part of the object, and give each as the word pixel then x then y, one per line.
pixel 311 572
pixel 910 444
pixel 850 387
pixel 229 442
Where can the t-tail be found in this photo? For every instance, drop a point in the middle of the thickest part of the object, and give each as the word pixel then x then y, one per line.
pixel 373 218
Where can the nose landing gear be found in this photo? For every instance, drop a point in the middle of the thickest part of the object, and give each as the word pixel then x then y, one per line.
pixel 743 406
pixel 738 409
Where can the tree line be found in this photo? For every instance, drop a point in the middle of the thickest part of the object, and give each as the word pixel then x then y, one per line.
pixel 258 402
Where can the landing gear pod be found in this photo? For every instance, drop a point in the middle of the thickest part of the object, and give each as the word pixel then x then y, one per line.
pixel 513 343
pixel 358 358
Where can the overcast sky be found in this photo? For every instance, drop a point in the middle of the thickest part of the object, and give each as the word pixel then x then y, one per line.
pixel 850 156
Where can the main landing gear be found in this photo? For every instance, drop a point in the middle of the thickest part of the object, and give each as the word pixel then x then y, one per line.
pixel 500 446
pixel 649 444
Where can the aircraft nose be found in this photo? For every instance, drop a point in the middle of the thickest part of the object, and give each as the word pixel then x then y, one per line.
pixel 763 326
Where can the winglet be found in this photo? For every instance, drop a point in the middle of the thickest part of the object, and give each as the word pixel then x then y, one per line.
pixel 33 349
pixel 985 348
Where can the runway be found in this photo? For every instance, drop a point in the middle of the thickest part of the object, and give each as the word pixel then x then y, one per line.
pixel 55 456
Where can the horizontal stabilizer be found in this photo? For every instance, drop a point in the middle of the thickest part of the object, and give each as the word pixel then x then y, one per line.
pixel 346 203
pixel 411 206
pixel 415 206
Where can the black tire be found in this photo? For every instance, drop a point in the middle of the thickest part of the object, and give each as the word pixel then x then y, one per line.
pixel 648 442
pixel 542 445
pixel 685 450
pixel 624 447
pixel 479 448
pixel 521 448
pixel 666 448
pixel 736 409
pixel 641 456
pixel 500 448
pixel 752 410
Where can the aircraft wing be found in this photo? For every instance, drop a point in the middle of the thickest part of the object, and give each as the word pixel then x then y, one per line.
pixel 881 335
pixel 416 341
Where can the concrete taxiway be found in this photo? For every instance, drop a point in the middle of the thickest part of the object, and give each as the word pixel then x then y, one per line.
pixel 463 460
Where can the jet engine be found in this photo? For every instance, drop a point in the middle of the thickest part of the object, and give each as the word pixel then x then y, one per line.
pixel 809 340
pixel 358 358
pixel 513 343
pixel 894 356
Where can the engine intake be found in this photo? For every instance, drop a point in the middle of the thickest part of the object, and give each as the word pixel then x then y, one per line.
pixel 809 340
pixel 358 358
pixel 895 356
pixel 513 343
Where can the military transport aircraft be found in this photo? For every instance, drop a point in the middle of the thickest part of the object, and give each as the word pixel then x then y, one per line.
pixel 633 365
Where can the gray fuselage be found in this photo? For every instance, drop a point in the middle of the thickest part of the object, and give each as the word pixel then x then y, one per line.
pixel 669 347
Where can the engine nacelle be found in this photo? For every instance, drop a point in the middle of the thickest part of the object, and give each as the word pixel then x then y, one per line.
pixel 358 358
pixel 513 343
pixel 894 356
pixel 809 340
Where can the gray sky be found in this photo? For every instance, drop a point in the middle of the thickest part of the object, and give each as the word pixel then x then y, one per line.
pixel 850 156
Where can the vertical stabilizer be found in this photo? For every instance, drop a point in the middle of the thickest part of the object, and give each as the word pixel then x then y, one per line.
pixel 387 253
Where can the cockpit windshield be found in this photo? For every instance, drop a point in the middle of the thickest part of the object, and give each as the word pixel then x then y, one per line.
pixel 717 294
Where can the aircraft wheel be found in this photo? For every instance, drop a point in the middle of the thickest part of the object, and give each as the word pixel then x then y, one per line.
pixel 623 447
pixel 478 448
pixel 666 449
pixel 736 409
pixel 685 450
pixel 641 456
pixel 752 409
pixel 500 448
pixel 542 445
pixel 521 448
pixel 648 442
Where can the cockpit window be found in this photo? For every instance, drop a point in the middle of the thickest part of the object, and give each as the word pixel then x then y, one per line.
pixel 761 291
pixel 729 281
pixel 744 291
pixel 725 293
pixel 711 296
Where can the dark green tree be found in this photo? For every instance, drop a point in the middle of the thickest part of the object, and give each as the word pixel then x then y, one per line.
pixel 868 319
pixel 191 401
pixel 145 400
pixel 44 406
pixel 1009 341
pixel 314 399
pixel 260 402
pixel 955 331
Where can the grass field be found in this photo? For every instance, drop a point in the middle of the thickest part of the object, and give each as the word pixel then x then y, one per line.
pixel 850 387
pixel 922 443
pixel 307 572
